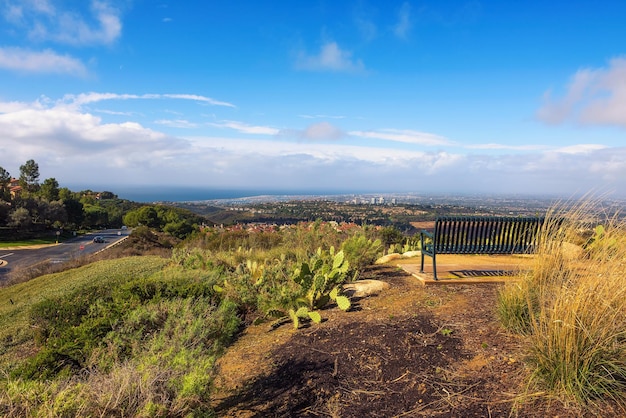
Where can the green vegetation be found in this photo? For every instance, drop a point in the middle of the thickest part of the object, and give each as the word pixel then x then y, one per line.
pixel 572 308
pixel 139 336
pixel 30 210
pixel 25 243
pixel 177 222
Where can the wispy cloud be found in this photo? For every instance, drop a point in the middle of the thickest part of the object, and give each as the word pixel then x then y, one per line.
pixel 403 26
pixel 87 98
pixel 581 149
pixel 68 141
pixel 245 128
pixel 493 146
pixel 330 58
pixel 593 96
pixel 113 112
pixel 407 136
pixel 197 98
pixel 44 22
pixel 367 28
pixel 47 61
pixel 176 123
pixel 322 131
pixel 321 117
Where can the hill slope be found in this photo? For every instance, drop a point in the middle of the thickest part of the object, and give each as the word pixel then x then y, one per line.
pixel 410 351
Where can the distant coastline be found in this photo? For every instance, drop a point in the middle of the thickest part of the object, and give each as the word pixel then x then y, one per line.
pixel 188 194
pixel 152 194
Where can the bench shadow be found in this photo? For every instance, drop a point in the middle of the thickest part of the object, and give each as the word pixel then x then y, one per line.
pixel 483 273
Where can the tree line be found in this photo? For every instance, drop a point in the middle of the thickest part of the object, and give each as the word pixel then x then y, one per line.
pixel 29 206
pixel 26 204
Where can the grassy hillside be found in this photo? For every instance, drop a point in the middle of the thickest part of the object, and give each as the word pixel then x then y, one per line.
pixel 139 336
pixel 16 301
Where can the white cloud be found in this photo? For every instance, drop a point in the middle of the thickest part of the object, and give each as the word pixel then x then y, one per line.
pixel 245 128
pixel 113 112
pixel 102 26
pixel 79 145
pixel 594 96
pixel 493 146
pixel 87 98
pixel 176 123
pixel 402 28
pixel 197 98
pixel 330 58
pixel 322 131
pixel 76 146
pixel 581 148
pixel 407 136
pixel 321 151
pixel 47 61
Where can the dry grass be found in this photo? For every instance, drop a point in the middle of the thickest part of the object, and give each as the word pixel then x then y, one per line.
pixel 573 309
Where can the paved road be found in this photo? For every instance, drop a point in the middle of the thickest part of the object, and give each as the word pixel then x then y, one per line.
pixel 57 253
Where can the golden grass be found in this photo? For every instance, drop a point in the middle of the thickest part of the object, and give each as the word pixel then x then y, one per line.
pixel 573 308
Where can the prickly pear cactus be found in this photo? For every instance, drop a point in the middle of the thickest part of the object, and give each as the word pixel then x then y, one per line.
pixel 325 272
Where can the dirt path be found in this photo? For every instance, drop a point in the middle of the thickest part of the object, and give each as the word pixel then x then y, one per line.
pixel 411 351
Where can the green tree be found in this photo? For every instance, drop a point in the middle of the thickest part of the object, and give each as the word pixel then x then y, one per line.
pixel 180 229
pixel 29 176
pixel 95 216
pixel 55 213
pixel 20 218
pixel 87 197
pixel 149 216
pixel 4 213
pixel 49 189
pixel 5 179
pixel 74 211
pixel 107 195
pixel 66 194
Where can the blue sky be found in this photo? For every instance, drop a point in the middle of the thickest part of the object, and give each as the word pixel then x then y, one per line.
pixel 406 96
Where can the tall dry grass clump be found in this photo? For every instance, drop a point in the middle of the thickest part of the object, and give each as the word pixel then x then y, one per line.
pixel 572 305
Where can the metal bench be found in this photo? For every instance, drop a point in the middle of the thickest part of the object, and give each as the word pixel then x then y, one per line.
pixel 480 235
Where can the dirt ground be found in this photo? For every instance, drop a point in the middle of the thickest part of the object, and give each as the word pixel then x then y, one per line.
pixel 412 351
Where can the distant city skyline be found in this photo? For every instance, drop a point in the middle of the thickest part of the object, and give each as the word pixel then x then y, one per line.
pixel 400 96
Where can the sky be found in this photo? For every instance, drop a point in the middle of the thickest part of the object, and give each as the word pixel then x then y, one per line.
pixel 429 96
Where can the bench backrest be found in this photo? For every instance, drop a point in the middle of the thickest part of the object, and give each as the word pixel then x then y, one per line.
pixel 486 235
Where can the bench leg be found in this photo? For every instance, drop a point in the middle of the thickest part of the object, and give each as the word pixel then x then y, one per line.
pixel 422 251
pixel 435 265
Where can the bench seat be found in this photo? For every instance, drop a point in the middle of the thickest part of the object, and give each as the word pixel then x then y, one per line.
pixel 480 235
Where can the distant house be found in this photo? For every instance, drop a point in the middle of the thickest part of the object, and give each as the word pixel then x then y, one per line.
pixel 15 188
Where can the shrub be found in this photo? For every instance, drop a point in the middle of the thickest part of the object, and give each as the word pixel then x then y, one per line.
pixel 321 279
pixel 361 252
pixel 574 309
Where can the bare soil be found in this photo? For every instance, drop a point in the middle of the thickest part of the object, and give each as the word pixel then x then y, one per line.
pixel 412 351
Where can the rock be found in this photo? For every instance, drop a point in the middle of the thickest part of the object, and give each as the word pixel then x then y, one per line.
pixel 572 251
pixel 387 258
pixel 410 254
pixel 362 288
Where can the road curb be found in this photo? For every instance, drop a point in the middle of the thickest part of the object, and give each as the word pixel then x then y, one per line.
pixel 3 263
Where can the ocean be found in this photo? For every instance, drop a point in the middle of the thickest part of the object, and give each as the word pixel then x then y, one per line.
pixel 150 194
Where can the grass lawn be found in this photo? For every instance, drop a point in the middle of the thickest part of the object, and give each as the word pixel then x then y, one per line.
pixel 29 242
